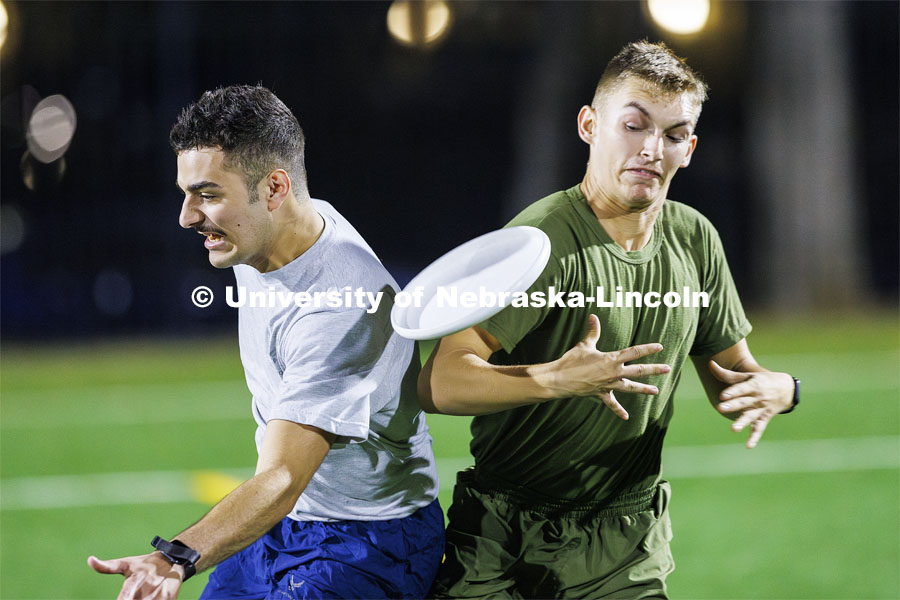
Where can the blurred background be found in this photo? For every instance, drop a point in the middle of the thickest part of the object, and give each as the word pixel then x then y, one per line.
pixel 427 124
pixel 425 144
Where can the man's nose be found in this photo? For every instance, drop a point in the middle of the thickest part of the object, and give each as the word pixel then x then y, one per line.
pixel 653 146
pixel 189 216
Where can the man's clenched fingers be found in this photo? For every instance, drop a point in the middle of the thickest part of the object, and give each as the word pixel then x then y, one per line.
pixel 746 418
pixel 131 586
pixel 739 389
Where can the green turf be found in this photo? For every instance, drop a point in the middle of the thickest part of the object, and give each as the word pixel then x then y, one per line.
pixel 104 407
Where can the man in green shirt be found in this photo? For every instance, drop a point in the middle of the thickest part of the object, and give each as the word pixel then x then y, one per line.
pixel 566 498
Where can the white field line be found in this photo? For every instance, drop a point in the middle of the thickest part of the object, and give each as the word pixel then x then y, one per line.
pixel 789 456
pixel 102 489
pixel 679 462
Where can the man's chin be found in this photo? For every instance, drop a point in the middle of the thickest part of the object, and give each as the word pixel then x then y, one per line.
pixel 220 260
pixel 639 203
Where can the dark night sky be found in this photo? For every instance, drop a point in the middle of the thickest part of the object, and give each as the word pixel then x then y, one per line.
pixel 416 148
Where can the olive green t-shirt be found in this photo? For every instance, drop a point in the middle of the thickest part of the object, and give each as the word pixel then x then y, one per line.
pixel 576 449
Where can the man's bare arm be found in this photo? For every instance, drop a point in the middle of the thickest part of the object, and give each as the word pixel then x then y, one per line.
pixel 742 390
pixel 459 380
pixel 288 458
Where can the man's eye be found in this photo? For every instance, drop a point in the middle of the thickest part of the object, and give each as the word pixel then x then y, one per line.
pixel 675 138
pixel 207 196
pixel 631 127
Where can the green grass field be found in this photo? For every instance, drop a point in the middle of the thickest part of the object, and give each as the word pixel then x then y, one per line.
pixel 103 445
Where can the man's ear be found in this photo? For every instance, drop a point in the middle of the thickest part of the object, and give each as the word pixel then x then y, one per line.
pixel 587 121
pixel 687 157
pixel 277 188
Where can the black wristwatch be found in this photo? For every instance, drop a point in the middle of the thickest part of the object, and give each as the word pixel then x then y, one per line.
pixel 796 399
pixel 178 554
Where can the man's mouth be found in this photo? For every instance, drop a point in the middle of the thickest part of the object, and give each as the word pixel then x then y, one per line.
pixel 648 173
pixel 214 240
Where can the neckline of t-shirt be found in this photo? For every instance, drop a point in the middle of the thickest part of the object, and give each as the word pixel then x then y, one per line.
pixel 295 269
pixel 634 256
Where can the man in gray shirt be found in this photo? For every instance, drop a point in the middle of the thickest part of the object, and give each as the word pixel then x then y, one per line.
pixel 343 502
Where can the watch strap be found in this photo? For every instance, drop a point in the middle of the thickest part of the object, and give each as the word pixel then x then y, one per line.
pixel 796 399
pixel 178 553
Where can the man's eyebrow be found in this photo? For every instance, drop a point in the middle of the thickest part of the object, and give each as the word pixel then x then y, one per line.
pixel 643 110
pixel 200 186
pixel 634 104
pixel 678 124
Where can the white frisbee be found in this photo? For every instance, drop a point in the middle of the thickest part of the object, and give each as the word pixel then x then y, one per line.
pixel 471 283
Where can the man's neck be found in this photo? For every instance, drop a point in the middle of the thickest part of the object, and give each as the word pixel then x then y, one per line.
pixel 298 229
pixel 630 229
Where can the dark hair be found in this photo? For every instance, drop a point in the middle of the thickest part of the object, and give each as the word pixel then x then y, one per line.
pixel 254 129
pixel 655 64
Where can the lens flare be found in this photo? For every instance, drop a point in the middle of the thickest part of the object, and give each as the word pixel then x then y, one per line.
pixel 419 22
pixel 683 17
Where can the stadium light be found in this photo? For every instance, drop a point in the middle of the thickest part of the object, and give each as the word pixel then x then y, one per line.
pixel 419 22
pixel 4 23
pixel 682 17
pixel 50 128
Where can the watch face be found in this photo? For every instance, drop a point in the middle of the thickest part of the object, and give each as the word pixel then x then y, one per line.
pixel 175 551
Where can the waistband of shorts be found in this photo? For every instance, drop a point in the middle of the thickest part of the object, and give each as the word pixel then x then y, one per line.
pixel 623 505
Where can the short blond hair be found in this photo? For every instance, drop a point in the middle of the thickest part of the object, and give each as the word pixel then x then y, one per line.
pixel 655 64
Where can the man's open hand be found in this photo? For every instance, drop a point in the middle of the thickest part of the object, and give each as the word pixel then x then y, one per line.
pixel 756 396
pixel 147 577
pixel 585 371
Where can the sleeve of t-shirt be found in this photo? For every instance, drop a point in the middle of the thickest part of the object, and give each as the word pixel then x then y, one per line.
pixel 722 324
pixel 513 323
pixel 329 376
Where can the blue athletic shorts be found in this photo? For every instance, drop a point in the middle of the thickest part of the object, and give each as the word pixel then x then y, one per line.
pixel 397 558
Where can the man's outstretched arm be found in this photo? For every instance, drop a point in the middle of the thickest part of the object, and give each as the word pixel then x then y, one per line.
pixel 288 458
pixel 459 380
pixel 739 388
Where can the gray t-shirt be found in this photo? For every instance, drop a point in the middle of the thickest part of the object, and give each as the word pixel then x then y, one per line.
pixel 341 369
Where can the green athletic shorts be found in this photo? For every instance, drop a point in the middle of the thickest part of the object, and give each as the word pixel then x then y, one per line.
pixel 500 549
